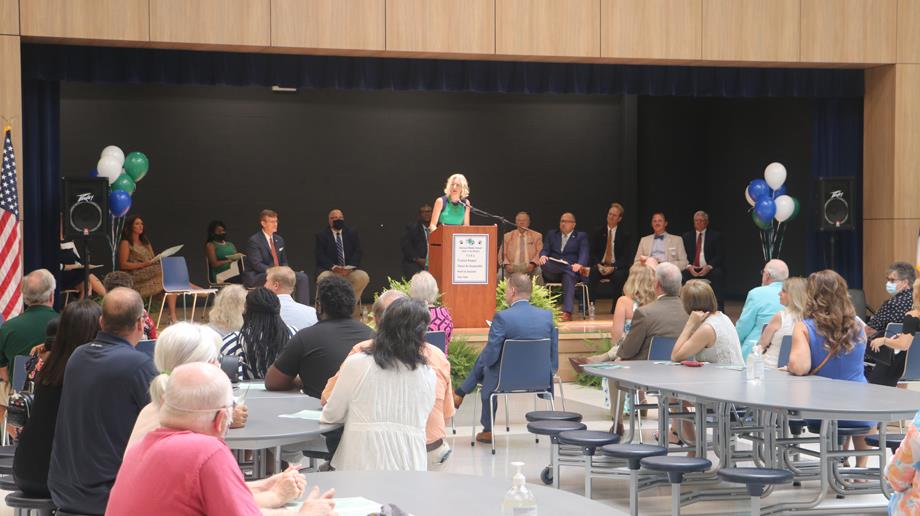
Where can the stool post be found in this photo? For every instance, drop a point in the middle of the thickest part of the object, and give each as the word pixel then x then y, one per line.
pixel 755 506
pixel 554 460
pixel 675 499
pixel 634 492
pixel 588 473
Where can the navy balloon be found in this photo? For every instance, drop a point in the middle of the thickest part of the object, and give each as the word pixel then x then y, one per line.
pixel 758 189
pixel 94 173
pixel 779 191
pixel 765 209
pixel 120 203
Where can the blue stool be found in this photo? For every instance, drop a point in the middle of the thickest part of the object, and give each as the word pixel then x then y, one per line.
pixel 675 467
pixel 551 415
pixel 550 474
pixel 589 441
pixel 756 480
pixel 892 441
pixel 23 505
pixel 633 453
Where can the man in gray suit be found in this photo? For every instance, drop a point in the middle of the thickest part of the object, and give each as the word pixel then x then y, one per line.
pixel 664 317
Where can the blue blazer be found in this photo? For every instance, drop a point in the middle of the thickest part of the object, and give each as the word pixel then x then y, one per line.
pixel 259 257
pixel 519 321
pixel 577 249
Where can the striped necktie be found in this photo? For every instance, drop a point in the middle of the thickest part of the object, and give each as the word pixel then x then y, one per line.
pixel 339 248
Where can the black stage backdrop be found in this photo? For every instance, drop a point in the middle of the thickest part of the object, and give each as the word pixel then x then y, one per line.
pixel 227 152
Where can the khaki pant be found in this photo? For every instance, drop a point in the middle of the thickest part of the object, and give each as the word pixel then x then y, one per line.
pixel 358 279
pixel 438 456
pixel 5 390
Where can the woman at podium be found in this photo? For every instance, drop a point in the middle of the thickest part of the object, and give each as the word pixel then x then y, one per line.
pixel 452 208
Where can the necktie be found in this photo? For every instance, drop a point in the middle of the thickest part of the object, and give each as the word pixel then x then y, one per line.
pixel 659 237
pixel 340 249
pixel 425 231
pixel 522 250
pixel 608 252
pixel 565 239
pixel 699 249
pixel 271 248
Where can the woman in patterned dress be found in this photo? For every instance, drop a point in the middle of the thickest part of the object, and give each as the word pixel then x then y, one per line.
pixel 423 287
pixel 135 256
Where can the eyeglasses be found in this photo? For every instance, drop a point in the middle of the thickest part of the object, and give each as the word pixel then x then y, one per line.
pixel 892 278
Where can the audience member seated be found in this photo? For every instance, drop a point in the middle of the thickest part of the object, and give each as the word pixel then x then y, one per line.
pixel 423 287
pixel 262 336
pixel 889 374
pixel 338 251
pixel 761 305
pixel 414 244
pixel 226 315
pixel 72 274
pixel 901 471
pixel 565 253
pixel 663 317
pixel 384 396
pixel 25 331
pixel 900 277
pixel 443 409
pixel 281 280
pixel 117 279
pixel 520 320
pixel 105 388
pixel 830 341
pixel 185 467
pixel 264 250
pixel 181 343
pixel 221 253
pixel 136 257
pixel 793 297
pixel 611 253
pixel 78 325
pixel 520 250
pixel 661 245
pixel 704 251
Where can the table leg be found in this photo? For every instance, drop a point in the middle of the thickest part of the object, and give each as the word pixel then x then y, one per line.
pixel 662 419
pixel 277 463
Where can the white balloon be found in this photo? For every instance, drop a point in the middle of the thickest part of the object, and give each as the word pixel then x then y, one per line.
pixel 747 196
pixel 775 175
pixel 784 208
pixel 109 168
pixel 115 152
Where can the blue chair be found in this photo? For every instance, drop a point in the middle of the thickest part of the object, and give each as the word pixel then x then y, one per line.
pixel 661 347
pixel 893 328
pixel 19 372
pixel 912 362
pixel 175 281
pixel 525 368
pixel 147 346
pixel 784 348
pixel 437 339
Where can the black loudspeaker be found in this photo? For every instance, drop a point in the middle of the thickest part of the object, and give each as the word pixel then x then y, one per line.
pixel 836 203
pixel 85 207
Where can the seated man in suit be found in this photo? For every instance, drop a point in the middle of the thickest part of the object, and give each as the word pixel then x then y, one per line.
pixel 264 250
pixel 521 248
pixel 414 244
pixel 338 251
pixel 661 245
pixel 705 246
pixel 564 259
pixel 611 249
pixel 520 320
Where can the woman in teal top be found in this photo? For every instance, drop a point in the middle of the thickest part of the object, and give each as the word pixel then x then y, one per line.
pixel 451 208
pixel 218 249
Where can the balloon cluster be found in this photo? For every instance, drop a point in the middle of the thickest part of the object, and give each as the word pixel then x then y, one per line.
pixel 769 202
pixel 123 173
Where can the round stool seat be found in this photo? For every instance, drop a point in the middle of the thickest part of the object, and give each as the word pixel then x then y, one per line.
pixel 756 478
pixel 18 500
pixel 796 426
pixel 588 438
pixel 892 441
pixel 633 453
pixel 815 428
pixel 552 415
pixel 7 483
pixel 675 467
pixel 554 428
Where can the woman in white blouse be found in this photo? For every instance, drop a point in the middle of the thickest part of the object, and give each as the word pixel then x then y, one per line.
pixel 384 396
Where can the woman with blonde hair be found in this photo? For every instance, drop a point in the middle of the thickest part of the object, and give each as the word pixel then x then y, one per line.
pixel 452 208
pixel 423 287
pixel 793 297
pixel 890 374
pixel 226 316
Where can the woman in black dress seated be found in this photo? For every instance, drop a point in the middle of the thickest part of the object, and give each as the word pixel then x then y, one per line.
pixel 72 271
pixel 889 374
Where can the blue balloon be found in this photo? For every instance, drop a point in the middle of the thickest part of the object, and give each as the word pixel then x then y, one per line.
pixel 94 173
pixel 765 209
pixel 758 189
pixel 779 191
pixel 119 203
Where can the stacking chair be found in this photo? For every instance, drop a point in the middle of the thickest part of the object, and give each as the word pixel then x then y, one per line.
pixel 661 347
pixel 912 362
pixel 175 281
pixel 585 295
pixel 437 339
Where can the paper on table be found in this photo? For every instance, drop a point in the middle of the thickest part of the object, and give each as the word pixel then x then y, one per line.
pixel 353 506
pixel 309 415
pixel 234 257
pixel 169 252
pixel 666 362
pixel 608 366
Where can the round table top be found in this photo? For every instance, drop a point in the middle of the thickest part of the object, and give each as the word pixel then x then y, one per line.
pixel 265 429
pixel 446 494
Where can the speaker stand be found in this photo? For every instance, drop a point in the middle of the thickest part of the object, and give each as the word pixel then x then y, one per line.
pixel 86 262
pixel 833 252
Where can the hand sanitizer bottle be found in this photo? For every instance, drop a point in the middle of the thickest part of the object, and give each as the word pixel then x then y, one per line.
pixel 758 363
pixel 749 371
pixel 519 501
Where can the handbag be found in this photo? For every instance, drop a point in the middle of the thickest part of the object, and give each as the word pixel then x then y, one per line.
pixel 19 409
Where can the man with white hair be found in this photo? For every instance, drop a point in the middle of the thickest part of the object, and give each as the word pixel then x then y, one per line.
pixel 664 317
pixel 281 280
pixel 27 330
pixel 195 472
pixel 761 304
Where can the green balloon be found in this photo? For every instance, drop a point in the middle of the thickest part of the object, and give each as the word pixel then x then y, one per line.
pixel 124 182
pixel 136 165
pixel 795 210
pixel 759 223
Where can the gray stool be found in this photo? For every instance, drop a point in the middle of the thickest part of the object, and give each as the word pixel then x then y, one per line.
pixel 550 474
pixel 551 415
pixel 589 441
pixel 675 467
pixel 23 505
pixel 633 453
pixel 756 480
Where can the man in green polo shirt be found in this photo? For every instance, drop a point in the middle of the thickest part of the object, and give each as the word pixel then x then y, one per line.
pixel 21 333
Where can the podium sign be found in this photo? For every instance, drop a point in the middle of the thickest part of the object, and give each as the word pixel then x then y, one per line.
pixel 470 264
pixel 463 260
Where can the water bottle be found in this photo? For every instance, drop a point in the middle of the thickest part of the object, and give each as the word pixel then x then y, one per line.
pixel 749 371
pixel 519 501
pixel 591 311
pixel 758 363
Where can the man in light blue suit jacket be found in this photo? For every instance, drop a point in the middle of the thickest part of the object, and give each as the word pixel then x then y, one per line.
pixel 761 305
pixel 520 320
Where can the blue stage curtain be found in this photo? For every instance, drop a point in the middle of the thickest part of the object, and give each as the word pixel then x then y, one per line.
pixel 837 151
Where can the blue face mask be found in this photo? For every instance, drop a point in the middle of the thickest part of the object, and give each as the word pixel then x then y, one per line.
pixel 891 288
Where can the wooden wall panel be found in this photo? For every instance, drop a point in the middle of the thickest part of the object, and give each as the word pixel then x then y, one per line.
pixel 909 31
pixel 651 29
pixel 211 22
pixel 878 142
pixel 9 17
pixel 341 24
pixel 849 31
pixel 11 101
pixel 907 142
pixel 565 28
pixel 751 30
pixel 462 26
pixel 126 20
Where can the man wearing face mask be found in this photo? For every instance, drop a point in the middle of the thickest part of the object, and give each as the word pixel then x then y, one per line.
pixel 338 251
pixel 900 278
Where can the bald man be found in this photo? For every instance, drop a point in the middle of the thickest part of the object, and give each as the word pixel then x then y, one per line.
pixel 761 304
pixel 564 259
pixel 338 251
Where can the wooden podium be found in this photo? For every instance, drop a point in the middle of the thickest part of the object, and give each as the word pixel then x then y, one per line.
pixel 464 261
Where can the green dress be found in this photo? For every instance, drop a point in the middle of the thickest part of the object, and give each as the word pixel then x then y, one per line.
pixel 222 250
pixel 451 214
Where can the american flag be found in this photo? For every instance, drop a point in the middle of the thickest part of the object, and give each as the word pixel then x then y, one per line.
pixel 10 273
